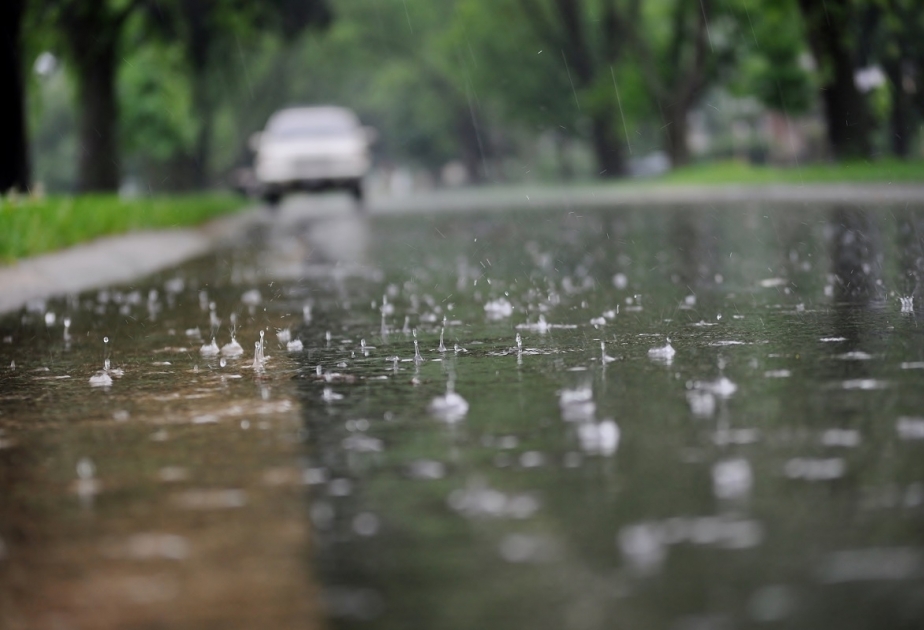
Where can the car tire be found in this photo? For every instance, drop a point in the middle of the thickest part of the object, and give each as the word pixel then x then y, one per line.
pixel 356 192
pixel 272 198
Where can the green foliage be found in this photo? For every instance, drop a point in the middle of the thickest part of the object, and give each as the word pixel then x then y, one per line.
pixel 772 66
pixel 157 116
pixel 454 79
pixel 29 226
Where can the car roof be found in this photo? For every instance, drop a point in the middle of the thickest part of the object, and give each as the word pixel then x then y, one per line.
pixel 318 115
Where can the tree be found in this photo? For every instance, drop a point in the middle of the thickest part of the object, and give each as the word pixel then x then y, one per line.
pixel 396 64
pixel 14 159
pixel 211 31
pixel 680 64
pixel 833 29
pixel 899 46
pixel 90 32
pixel 592 38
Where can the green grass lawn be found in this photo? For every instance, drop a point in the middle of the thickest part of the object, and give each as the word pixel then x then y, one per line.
pixel 29 226
pixel 721 173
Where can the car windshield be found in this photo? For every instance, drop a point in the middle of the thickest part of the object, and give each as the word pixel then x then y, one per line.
pixel 311 124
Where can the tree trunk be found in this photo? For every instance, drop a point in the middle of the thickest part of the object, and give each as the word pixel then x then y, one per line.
pixel 204 113
pixel 607 144
pixel 14 156
pixel 675 132
pixel 849 123
pixel 900 116
pixel 200 24
pixel 847 115
pixel 471 145
pixel 98 155
pixel 563 156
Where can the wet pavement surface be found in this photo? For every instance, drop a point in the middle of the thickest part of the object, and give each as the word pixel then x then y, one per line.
pixel 677 417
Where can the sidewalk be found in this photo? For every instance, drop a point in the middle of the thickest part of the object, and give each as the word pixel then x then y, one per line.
pixel 112 260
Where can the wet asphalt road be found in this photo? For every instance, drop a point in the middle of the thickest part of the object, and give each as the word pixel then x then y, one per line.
pixel 670 417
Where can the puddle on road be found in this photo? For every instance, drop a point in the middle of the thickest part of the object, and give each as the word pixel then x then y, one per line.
pixel 643 418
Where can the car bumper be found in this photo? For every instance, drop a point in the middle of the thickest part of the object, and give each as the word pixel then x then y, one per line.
pixel 306 171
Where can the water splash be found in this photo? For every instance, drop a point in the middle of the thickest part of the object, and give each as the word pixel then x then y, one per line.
pixel 442 347
pixel 604 357
pixel 577 405
pixel 258 358
pixel 498 309
pixel 104 377
pixel 732 478
pixel 665 353
pixel 599 438
pixel 101 379
pixel 87 485
pixel 232 349
pixel 519 343
pixel 907 304
pixel 449 408
pixel 210 349
pixel 417 357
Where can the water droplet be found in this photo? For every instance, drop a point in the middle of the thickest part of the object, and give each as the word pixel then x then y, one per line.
pixel 85 468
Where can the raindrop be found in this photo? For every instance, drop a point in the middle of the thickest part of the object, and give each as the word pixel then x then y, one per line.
pixel 366 524
pixel 732 478
pixel 85 468
pixel 442 347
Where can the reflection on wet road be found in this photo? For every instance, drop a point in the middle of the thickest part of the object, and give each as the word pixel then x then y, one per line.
pixel 640 418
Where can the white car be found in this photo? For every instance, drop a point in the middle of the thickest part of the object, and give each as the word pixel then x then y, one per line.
pixel 312 149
